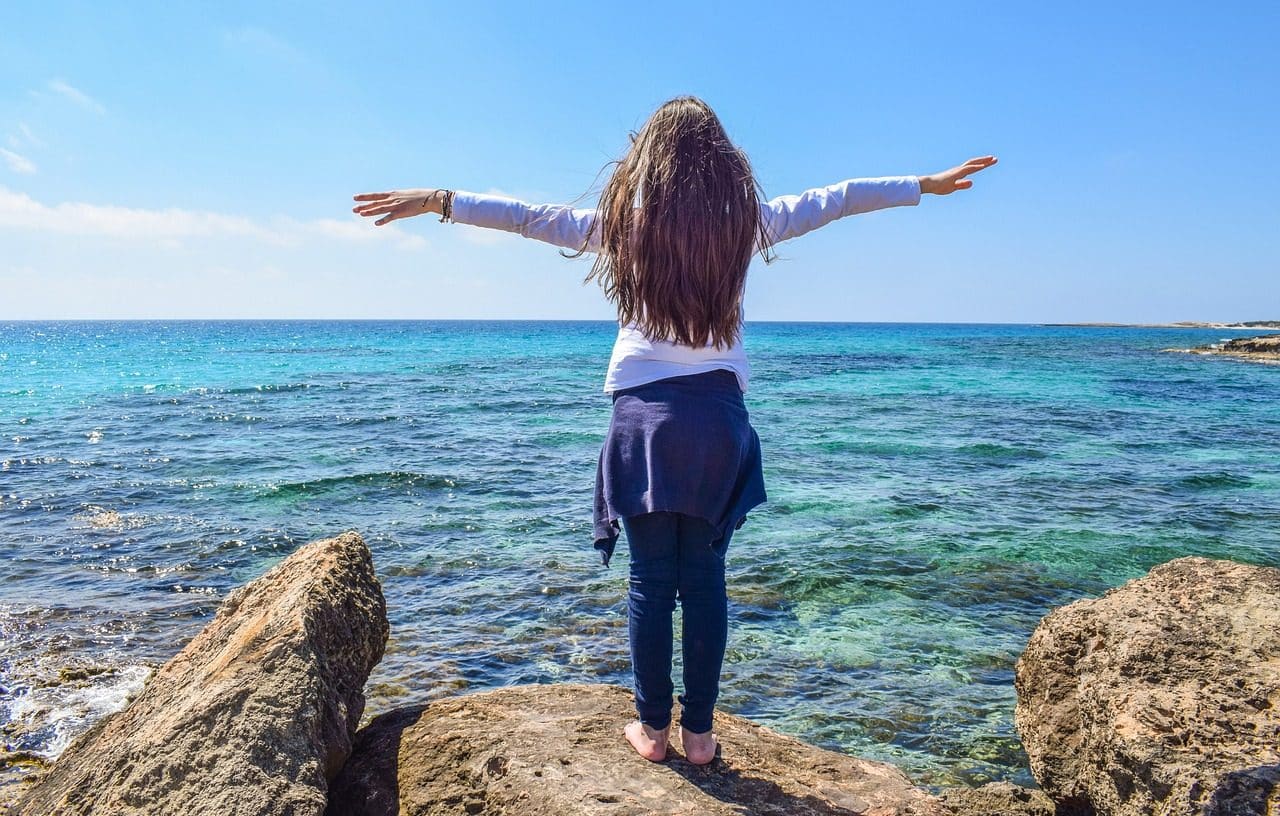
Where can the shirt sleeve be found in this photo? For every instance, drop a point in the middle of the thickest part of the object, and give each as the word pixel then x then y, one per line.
pixel 557 224
pixel 792 215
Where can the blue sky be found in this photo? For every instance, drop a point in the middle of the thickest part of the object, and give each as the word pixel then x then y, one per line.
pixel 178 160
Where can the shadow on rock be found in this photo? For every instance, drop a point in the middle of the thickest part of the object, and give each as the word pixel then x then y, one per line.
pixel 560 749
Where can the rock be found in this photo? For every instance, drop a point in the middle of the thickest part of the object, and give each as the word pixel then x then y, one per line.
pixel 255 715
pixel 1265 348
pixel 18 770
pixel 1162 696
pixel 1267 344
pixel 997 799
pixel 71 674
pixel 558 749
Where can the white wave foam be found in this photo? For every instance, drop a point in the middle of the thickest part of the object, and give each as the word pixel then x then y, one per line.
pixel 56 715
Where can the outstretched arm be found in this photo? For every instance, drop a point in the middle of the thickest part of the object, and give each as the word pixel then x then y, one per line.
pixel 557 224
pixel 793 215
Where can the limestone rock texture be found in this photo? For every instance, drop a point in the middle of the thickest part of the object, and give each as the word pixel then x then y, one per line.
pixel 1160 697
pixel 558 749
pixel 255 715
pixel 997 799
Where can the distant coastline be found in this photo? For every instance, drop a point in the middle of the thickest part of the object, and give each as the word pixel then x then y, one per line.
pixel 1266 325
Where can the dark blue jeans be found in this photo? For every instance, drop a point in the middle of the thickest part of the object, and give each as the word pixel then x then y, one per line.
pixel 671 557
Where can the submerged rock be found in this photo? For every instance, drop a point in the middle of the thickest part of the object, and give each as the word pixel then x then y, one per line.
pixel 255 715
pixel 1162 696
pixel 558 749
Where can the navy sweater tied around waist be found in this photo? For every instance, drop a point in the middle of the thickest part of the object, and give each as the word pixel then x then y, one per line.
pixel 682 444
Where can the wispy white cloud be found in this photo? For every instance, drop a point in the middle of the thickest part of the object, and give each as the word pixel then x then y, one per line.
pixel 18 163
pixel 67 91
pixel 21 140
pixel 169 227
pixel 30 137
pixel 262 43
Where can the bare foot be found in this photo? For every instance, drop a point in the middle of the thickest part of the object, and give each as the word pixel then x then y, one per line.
pixel 648 742
pixel 698 748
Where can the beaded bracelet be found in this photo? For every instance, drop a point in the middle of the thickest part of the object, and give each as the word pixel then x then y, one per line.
pixel 446 207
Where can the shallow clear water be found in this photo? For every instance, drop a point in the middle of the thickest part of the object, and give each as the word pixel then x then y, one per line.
pixel 933 491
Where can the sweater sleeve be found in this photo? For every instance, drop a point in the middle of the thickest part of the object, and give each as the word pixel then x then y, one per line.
pixel 557 224
pixel 793 215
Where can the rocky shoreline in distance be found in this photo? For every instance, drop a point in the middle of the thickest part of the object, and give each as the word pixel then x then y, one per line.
pixel 1263 349
pixel 1182 324
pixel 1162 696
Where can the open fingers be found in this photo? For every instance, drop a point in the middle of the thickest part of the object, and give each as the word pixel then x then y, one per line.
pixel 973 166
pixel 375 209
pixel 371 196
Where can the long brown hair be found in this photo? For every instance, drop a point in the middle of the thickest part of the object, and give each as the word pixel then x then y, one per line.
pixel 679 220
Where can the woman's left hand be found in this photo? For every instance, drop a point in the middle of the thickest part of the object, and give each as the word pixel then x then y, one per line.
pixel 398 204
pixel 948 181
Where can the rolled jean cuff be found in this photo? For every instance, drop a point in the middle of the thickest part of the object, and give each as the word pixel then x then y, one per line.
pixel 655 720
pixel 698 722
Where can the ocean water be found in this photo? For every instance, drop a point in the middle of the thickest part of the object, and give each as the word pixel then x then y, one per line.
pixel 934 490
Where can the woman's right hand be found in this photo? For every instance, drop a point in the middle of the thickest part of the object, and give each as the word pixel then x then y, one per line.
pixel 948 181
pixel 398 204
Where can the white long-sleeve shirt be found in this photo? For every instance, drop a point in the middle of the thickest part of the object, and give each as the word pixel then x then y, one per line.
pixel 636 359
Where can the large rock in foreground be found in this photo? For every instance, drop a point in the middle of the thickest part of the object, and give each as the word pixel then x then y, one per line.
pixel 1162 696
pixel 559 749
pixel 254 716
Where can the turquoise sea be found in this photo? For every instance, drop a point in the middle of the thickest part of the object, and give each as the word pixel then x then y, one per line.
pixel 933 491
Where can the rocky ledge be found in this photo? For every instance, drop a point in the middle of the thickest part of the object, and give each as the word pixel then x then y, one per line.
pixel 558 749
pixel 1163 696
pixel 1265 349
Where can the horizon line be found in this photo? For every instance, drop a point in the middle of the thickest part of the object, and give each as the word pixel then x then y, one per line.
pixel 1056 323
